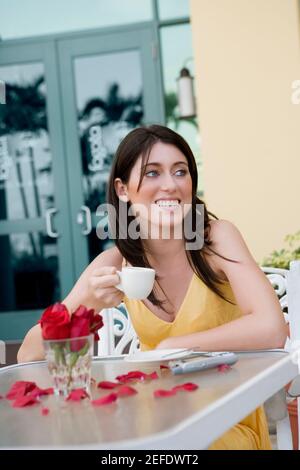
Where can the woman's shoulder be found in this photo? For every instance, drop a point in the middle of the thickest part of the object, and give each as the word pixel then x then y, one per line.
pixel 224 234
pixel 221 227
pixel 227 241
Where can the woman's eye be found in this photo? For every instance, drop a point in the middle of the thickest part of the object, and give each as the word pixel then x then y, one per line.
pixel 152 173
pixel 180 172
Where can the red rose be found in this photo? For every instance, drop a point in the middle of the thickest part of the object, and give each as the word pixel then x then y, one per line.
pixel 80 326
pixel 80 322
pixel 55 322
pixel 96 324
pixel 85 322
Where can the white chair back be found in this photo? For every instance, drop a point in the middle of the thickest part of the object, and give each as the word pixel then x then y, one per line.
pixel 118 335
pixel 287 287
pixel 286 284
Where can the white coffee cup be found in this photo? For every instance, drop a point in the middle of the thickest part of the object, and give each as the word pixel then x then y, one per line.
pixel 136 283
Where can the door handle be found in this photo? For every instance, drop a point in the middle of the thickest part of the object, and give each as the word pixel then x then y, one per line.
pixel 85 211
pixel 48 216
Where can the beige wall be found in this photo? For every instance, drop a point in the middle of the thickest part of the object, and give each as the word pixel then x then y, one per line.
pixel 247 55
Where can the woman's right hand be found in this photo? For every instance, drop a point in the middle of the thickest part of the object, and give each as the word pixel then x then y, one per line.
pixel 95 289
pixel 101 286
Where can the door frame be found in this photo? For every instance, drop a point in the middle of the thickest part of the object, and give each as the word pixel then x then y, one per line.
pixel 52 50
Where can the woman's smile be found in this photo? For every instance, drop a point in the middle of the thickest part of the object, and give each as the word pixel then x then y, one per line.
pixel 170 204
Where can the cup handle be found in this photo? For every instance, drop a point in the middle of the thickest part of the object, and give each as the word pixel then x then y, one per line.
pixel 119 286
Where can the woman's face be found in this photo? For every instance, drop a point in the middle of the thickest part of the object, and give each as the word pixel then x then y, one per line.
pixel 165 193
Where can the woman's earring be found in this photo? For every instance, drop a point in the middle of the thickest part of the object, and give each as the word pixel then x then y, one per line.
pixel 123 196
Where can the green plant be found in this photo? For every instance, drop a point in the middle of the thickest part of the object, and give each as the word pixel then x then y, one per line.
pixel 282 258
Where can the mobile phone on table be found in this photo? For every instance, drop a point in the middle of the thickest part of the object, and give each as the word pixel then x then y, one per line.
pixel 184 366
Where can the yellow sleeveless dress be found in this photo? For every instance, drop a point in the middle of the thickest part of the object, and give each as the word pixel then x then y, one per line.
pixel 201 310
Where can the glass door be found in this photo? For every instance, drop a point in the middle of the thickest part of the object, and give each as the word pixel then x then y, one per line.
pixel 69 102
pixel 36 267
pixel 110 85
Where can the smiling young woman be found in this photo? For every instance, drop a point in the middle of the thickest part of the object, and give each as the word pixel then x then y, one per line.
pixel 208 291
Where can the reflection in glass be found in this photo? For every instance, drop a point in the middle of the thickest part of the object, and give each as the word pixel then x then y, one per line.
pixel 170 9
pixel 109 105
pixel 28 271
pixel 96 245
pixel 178 37
pixel 26 182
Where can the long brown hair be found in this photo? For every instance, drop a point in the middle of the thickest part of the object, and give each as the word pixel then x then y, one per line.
pixel 138 143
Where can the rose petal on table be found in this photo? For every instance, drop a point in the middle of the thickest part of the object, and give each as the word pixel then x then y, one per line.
pixel 162 366
pixel 133 375
pixel 160 393
pixel 26 400
pixel 136 375
pixel 223 367
pixel 77 395
pixel 45 411
pixel 126 391
pixel 46 391
pixel 38 392
pixel 20 389
pixel 152 376
pixel 106 400
pixel 106 384
pixel 188 387
pixel 123 378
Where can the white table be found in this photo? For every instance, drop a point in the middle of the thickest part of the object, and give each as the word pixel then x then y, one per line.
pixel 188 420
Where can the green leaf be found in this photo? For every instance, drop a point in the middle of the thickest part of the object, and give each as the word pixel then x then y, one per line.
pixel 84 350
pixel 73 359
pixel 282 258
pixel 62 356
pixel 57 353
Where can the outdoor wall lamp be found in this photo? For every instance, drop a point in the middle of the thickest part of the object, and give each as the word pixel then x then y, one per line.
pixel 186 97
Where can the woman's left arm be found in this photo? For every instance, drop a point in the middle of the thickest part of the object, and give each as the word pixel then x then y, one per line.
pixel 262 324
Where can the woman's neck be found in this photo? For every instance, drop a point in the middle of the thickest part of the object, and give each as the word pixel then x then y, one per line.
pixel 165 253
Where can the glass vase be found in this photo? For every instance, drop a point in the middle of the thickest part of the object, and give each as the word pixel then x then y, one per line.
pixel 69 363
